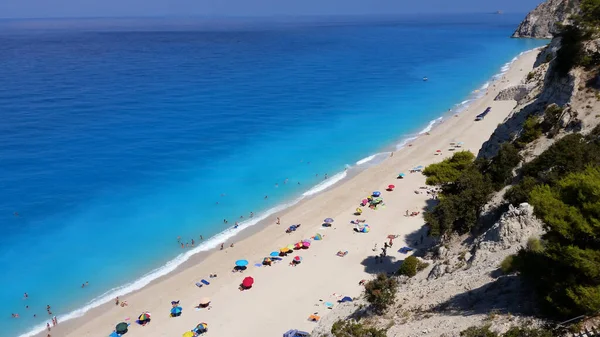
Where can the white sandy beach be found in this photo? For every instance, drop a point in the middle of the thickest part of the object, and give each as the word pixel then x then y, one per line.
pixel 283 297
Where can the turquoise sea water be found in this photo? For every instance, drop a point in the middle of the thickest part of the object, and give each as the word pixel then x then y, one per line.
pixel 119 136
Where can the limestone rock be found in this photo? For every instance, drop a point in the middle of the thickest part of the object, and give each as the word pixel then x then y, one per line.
pixel 436 272
pixel 542 22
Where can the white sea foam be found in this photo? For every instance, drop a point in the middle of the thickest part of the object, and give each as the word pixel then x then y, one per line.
pixel 403 143
pixel 366 160
pixel 325 184
pixel 430 125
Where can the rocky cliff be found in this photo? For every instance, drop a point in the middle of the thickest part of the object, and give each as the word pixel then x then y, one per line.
pixel 542 22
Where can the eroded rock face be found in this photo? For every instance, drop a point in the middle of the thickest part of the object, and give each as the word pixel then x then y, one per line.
pixel 541 23
pixel 515 227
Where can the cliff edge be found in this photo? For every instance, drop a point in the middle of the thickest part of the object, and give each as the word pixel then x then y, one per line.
pixel 541 23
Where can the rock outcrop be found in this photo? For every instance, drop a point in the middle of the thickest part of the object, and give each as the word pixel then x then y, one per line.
pixel 462 287
pixel 541 23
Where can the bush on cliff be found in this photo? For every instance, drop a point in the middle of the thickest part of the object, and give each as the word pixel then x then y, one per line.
pixel 566 273
pixel 381 292
pixel 409 266
pixel 500 168
pixel 449 170
pixel 460 203
pixel 347 328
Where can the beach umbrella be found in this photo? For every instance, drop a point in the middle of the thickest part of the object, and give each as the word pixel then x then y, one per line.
pixel 306 244
pixel 273 254
pixel 366 229
pixel 318 237
pixel 364 201
pixel 359 211
pixel 241 263
pixel 391 187
pixel 438 151
pixel 298 245
pixel 401 175
pixel 176 310
pixel 328 220
pixel 202 326
pixel 376 193
pixel 144 317
pixel 121 328
pixel 188 334
pixel 419 167
pixel 204 301
pixel 284 250
pixel 248 282
pixel 290 247
pixel 297 258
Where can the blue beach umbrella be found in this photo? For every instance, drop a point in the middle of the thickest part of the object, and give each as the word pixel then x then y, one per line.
pixel 241 263
pixel 328 220
pixel 176 310
pixel 401 175
pixel 274 254
pixel 376 193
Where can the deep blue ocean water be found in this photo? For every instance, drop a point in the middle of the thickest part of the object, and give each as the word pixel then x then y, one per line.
pixel 116 138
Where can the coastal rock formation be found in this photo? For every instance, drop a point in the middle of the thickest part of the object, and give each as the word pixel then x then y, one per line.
pixel 516 93
pixel 541 23
pixel 461 287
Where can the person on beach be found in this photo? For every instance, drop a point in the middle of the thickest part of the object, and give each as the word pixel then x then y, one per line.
pixel 54 321
pixel 117 301
pixel 326 176
pixel 201 238
pixel 222 246
pixel 182 245
pixel 193 242
pixel 48 326
pixel 178 239
pixel 278 221
pixel 231 246
pixel 251 214
pixel 235 226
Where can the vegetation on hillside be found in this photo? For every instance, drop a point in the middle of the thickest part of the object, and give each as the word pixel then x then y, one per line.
pixel 381 292
pixel 484 331
pixel 348 328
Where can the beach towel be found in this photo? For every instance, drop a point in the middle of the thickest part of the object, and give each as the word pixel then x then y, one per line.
pixel 314 318
pixel 114 334
pixel 205 281
pixel 198 284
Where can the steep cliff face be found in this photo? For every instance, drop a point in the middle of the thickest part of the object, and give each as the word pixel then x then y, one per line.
pixel 542 22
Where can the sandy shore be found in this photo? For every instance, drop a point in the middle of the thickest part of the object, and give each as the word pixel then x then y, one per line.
pixel 283 296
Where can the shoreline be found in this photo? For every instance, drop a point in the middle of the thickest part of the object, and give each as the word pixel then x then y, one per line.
pixel 263 222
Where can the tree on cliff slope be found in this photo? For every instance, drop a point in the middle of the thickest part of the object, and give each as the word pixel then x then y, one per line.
pixel 566 274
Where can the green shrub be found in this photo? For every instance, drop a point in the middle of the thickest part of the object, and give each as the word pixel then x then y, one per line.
pixel 482 331
pixel 381 292
pixel 530 75
pixel 566 273
pixel 500 169
pixel 508 264
pixel 449 170
pixel 409 266
pixel 531 131
pixel 527 332
pixel 519 193
pixel 460 203
pixel 551 118
pixel 535 245
pixel 347 328
pixel 422 265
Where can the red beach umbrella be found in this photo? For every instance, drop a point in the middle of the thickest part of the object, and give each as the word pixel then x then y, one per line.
pixel 297 258
pixel 248 282
pixel 438 151
pixel 391 187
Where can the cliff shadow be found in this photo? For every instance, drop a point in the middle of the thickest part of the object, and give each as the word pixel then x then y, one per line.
pixel 377 265
pixel 505 295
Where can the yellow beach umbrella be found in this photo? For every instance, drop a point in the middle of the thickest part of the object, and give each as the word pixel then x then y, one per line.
pixel 188 334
